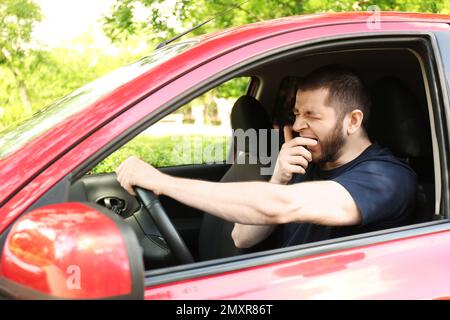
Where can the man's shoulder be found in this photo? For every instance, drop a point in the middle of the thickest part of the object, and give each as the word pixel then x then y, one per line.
pixel 381 157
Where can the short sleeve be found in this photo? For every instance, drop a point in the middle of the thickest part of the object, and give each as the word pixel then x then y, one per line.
pixel 384 191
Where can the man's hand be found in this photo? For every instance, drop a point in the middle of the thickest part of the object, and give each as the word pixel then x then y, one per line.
pixel 135 172
pixel 294 157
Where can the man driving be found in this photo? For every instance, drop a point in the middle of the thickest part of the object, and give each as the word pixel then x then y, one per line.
pixel 329 180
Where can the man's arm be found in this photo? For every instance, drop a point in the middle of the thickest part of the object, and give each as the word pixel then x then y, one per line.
pixel 246 236
pixel 251 203
pixel 262 203
pixel 290 160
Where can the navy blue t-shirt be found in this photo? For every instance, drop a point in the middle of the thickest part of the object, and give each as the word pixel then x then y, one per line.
pixel 382 186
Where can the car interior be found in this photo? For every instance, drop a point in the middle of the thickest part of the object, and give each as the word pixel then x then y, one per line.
pixel 400 120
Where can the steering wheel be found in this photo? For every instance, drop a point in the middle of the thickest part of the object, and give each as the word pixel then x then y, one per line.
pixel 156 211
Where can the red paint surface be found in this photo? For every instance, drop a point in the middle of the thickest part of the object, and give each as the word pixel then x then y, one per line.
pixel 414 268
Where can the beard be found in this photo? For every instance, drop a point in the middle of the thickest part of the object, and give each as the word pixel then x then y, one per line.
pixel 332 145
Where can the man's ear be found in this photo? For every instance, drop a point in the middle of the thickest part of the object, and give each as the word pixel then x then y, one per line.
pixel 354 121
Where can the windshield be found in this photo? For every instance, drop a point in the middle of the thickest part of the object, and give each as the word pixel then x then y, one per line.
pixel 18 134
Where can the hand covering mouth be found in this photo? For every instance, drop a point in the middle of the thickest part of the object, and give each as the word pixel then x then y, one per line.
pixel 314 138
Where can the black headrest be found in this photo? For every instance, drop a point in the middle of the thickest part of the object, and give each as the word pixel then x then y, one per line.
pixel 248 113
pixel 396 121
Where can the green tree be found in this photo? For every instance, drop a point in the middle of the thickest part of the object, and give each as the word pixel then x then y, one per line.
pixel 17 18
pixel 166 18
pixel 59 72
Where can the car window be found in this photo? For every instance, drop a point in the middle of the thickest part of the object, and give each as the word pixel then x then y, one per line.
pixel 18 134
pixel 199 132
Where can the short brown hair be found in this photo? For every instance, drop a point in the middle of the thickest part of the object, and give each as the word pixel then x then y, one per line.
pixel 346 90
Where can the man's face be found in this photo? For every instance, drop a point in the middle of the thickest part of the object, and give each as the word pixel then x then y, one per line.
pixel 317 120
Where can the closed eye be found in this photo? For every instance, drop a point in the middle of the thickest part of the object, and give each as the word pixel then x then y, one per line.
pixel 306 114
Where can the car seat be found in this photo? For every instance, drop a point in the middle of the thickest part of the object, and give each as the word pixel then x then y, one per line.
pixel 397 122
pixel 215 233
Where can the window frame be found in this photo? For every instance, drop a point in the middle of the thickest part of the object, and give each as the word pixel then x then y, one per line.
pixel 226 155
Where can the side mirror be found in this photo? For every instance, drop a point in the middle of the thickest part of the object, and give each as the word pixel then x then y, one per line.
pixel 71 251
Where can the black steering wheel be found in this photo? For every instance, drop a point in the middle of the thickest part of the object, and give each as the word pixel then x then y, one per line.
pixel 156 211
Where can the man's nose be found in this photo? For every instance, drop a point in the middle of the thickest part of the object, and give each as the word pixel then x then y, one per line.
pixel 299 124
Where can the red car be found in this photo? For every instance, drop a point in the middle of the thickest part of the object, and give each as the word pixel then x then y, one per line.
pixel 66 232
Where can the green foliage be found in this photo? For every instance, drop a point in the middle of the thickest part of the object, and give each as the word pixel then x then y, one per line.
pixel 167 151
pixel 121 19
pixel 54 74
pixel 163 22
pixel 233 88
pixel 434 6
pixel 17 18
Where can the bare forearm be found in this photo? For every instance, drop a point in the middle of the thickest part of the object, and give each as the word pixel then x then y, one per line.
pixel 242 202
pixel 246 236
pixel 262 203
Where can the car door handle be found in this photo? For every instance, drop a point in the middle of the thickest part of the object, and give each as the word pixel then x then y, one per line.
pixel 114 204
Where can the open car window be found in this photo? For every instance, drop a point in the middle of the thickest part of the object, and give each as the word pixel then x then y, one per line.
pixel 198 133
